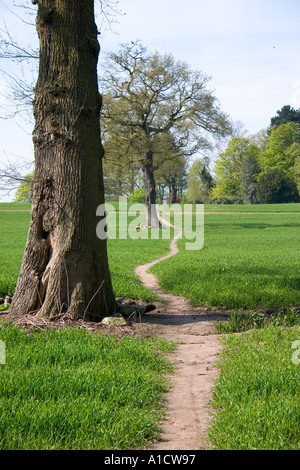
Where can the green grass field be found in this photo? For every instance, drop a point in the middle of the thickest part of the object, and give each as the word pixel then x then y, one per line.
pixel 75 389
pixel 124 255
pixel 248 261
pixel 257 396
pixel 292 207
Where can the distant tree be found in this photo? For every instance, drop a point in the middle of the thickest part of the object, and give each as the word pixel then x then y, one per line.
pixel 121 171
pixel 250 170
pixel 296 172
pixel 15 175
pixel 228 168
pixel 200 182
pixel 169 165
pixel 284 115
pixel 148 94
pixel 173 176
pixel 138 196
pixel 23 192
pixel 260 139
pixel 283 150
pixel 276 187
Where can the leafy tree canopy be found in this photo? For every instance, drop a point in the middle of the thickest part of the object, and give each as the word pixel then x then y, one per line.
pixel 284 115
pixel 228 168
pixel 283 147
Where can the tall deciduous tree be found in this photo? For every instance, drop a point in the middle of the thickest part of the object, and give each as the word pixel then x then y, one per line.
pixel 284 115
pixel 228 169
pixel 200 182
pixel 276 187
pixel 250 170
pixel 283 148
pixel 148 94
pixel 65 265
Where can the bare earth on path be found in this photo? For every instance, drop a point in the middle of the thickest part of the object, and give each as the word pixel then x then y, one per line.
pixel 188 412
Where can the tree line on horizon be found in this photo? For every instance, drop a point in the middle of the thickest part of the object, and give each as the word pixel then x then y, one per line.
pixel 159 124
pixel 263 168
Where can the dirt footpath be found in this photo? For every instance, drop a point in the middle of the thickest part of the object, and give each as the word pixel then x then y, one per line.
pixel 187 401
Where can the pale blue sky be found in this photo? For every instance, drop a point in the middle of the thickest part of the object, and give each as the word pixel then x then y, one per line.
pixel 250 48
pixel 230 40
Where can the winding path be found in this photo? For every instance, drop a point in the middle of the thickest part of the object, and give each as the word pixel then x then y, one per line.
pixel 188 412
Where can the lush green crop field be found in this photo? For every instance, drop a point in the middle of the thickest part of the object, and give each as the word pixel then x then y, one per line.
pixel 75 389
pixel 13 234
pixel 78 390
pixel 247 261
pixel 257 394
pixel 293 207
pixel 124 255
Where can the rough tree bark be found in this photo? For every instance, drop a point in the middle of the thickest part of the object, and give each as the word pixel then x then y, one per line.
pixel 150 191
pixel 173 191
pixel 65 265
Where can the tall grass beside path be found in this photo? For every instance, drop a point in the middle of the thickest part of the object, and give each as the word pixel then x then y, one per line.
pixel 75 389
pixel 257 396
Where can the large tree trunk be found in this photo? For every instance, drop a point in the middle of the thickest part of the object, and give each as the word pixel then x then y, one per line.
pixel 65 265
pixel 150 191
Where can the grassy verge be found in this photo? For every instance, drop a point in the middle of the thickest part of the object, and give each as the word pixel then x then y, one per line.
pixel 74 389
pixel 256 396
pixel 247 262
pixel 240 321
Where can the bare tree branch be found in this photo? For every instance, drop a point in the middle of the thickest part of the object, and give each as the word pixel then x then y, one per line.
pixel 13 174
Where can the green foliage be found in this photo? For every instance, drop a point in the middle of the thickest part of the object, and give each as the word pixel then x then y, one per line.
pixel 156 106
pixel 283 148
pixel 169 169
pixel 138 196
pixel 240 321
pixel 276 187
pixel 296 172
pixel 228 168
pixel 247 161
pixel 120 169
pixel 200 182
pixel 75 389
pixel 284 115
pixel 249 172
pixel 256 396
pixel 23 192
